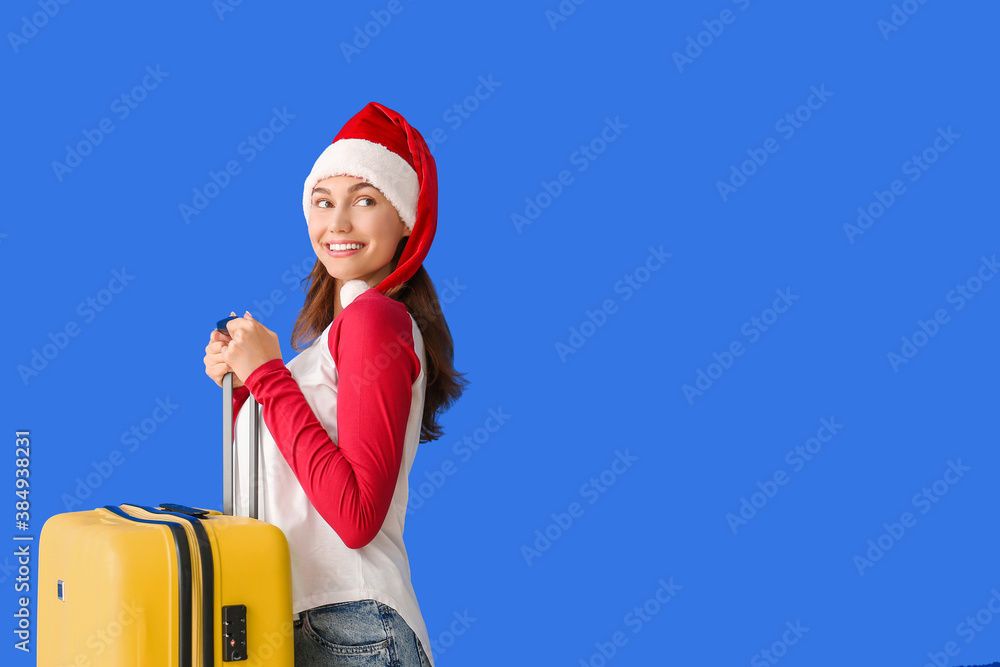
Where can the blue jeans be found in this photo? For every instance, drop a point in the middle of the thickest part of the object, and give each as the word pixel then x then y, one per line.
pixel 364 633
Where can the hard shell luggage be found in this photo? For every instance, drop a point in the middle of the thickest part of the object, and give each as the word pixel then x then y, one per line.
pixel 170 586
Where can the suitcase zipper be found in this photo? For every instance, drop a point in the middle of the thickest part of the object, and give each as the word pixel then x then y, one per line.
pixel 202 588
pixel 207 583
pixel 188 532
pixel 183 549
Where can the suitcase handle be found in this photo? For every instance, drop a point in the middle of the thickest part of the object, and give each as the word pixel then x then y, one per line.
pixel 229 450
pixel 183 509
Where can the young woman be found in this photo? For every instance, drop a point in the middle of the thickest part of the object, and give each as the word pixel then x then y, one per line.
pixel 342 420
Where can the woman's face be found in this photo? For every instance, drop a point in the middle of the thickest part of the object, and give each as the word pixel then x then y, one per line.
pixel 348 212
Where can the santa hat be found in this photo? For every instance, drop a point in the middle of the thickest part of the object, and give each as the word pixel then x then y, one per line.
pixel 379 146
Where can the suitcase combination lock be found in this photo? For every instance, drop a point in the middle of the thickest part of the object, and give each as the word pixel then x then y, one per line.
pixel 234 632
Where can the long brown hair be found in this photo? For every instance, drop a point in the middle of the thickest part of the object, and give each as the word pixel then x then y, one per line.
pixel 444 384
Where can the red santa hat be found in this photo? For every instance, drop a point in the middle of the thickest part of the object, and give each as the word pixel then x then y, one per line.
pixel 380 147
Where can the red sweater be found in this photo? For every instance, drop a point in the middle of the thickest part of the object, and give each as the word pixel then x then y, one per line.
pixel 350 482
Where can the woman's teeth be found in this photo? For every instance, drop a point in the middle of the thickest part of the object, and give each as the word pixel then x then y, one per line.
pixel 335 247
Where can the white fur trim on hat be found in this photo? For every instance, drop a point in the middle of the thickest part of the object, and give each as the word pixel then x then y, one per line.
pixel 351 290
pixel 374 163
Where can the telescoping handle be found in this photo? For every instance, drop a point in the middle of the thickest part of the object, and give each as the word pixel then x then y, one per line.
pixel 229 451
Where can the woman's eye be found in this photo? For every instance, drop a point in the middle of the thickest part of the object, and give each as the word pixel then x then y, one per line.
pixel 322 203
pixel 370 200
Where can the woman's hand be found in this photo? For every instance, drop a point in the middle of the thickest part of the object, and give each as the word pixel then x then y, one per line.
pixel 215 366
pixel 250 345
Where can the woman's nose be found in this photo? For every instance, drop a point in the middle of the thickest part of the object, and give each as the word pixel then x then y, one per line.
pixel 340 219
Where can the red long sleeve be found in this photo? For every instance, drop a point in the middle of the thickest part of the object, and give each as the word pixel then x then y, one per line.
pixel 350 482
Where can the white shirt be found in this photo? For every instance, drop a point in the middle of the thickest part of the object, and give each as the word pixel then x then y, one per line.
pixel 324 569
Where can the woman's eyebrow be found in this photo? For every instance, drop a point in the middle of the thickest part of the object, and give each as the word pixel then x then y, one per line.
pixel 357 186
pixel 351 190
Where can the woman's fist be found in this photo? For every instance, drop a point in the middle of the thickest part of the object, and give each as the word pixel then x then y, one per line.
pixel 250 345
pixel 215 366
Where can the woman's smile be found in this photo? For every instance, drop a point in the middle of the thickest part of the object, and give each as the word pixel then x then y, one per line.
pixel 344 249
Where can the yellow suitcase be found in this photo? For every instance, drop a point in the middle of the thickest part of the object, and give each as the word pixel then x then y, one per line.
pixel 170 586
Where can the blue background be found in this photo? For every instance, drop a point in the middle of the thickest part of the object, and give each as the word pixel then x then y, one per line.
pixel 520 289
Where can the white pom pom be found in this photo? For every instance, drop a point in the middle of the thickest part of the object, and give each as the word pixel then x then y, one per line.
pixel 351 290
